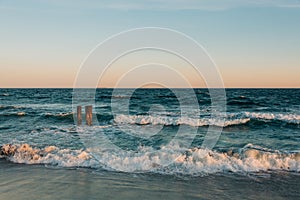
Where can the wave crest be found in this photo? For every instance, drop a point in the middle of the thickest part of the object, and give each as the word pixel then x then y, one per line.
pixel 223 120
pixel 175 121
pixel 289 118
pixel 24 153
pixel 194 161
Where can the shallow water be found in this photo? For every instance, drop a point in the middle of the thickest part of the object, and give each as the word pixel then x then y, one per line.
pixel 39 182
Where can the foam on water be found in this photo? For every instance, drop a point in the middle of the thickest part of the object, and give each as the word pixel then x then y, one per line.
pixel 193 162
pixel 290 118
pixel 263 117
pixel 60 114
pixel 230 119
pixel 175 121
pixel 21 113
pixel 24 153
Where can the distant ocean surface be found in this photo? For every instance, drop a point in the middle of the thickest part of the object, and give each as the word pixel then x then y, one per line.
pixel 256 156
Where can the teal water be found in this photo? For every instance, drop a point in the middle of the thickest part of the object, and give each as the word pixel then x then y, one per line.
pixel 257 154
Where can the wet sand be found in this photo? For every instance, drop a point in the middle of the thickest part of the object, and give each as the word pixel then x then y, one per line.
pixel 19 181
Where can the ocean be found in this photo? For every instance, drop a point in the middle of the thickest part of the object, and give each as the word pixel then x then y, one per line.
pixel 45 155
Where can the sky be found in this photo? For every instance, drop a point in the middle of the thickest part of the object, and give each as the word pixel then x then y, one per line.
pixel 253 43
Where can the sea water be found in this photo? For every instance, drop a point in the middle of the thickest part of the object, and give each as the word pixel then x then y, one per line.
pixel 256 155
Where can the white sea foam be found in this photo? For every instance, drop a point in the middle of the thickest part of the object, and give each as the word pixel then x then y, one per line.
pixel 166 120
pixel 192 162
pixel 290 118
pixel 21 113
pixel 60 114
pixel 230 119
pixel 24 153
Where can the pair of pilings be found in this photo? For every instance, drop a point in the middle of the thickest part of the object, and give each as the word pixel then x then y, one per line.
pixel 88 115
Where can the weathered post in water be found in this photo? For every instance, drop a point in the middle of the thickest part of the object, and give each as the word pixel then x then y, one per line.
pixel 79 116
pixel 88 115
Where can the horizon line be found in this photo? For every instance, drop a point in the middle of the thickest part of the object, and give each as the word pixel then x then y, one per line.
pixel 150 88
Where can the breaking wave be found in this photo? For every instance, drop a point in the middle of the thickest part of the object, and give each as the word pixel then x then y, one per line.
pixel 289 118
pixel 175 121
pixel 192 162
pixel 229 120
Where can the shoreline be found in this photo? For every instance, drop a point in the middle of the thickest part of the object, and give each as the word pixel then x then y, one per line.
pixel 20 181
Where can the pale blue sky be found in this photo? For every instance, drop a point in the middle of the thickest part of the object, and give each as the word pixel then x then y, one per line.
pixel 254 43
